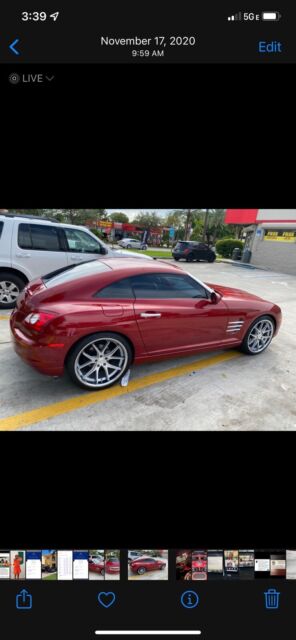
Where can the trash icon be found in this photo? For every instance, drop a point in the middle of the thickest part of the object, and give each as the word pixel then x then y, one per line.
pixel 272 599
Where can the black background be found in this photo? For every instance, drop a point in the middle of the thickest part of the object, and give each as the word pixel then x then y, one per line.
pixel 153 137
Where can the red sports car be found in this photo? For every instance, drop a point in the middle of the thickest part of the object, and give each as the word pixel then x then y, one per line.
pixel 143 564
pixel 112 565
pixel 97 566
pixel 97 318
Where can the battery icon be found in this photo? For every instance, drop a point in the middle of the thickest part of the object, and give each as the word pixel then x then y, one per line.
pixel 271 16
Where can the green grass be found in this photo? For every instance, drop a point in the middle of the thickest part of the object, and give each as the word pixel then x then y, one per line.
pixel 154 253
pixel 51 576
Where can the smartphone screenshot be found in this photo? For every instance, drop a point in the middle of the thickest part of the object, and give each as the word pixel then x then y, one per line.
pixel 147 369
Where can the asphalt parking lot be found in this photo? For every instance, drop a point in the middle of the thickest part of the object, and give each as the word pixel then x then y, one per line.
pixel 222 390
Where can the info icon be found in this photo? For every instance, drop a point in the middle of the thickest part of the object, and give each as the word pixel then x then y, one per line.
pixel 14 78
pixel 189 599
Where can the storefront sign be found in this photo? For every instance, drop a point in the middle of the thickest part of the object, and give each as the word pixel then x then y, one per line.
pixel 280 235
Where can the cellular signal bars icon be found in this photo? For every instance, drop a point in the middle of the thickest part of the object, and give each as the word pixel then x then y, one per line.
pixel 235 17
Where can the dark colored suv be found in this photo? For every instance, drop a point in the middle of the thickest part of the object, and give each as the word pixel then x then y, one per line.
pixel 190 251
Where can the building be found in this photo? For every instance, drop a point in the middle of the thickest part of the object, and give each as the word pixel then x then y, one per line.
pixel 115 231
pixel 270 235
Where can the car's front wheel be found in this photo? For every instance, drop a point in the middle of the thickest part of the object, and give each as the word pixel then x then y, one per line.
pixel 212 258
pixel 10 288
pixel 141 571
pixel 177 259
pixel 259 336
pixel 99 360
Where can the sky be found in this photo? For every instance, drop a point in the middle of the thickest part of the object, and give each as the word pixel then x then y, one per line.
pixel 132 213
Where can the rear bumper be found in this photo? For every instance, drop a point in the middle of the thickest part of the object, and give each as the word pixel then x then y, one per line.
pixel 46 359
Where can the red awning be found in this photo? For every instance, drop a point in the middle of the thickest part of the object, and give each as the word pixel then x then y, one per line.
pixel 241 216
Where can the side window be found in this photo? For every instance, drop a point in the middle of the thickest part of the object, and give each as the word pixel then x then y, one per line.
pixel 1 227
pixel 24 237
pixel 165 286
pixel 81 242
pixel 39 237
pixel 117 290
pixel 44 237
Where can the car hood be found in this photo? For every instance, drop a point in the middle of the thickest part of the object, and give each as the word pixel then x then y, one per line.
pixel 230 292
pixel 128 254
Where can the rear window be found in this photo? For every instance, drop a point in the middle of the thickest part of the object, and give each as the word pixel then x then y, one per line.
pixel 83 270
pixel 183 245
pixel 1 227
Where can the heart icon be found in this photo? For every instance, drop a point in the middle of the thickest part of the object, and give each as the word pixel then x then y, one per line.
pixel 106 599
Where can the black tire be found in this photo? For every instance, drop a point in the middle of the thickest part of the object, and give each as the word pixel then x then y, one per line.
pixel 141 571
pixel 177 259
pixel 102 572
pixel 10 279
pixel 244 347
pixel 212 259
pixel 72 360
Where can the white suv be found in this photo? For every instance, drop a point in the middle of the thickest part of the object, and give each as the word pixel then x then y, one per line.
pixel 30 247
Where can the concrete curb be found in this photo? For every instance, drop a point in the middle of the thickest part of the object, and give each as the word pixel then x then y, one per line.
pixel 246 265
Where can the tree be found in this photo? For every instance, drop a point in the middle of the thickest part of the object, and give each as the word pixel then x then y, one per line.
pixel 80 216
pixel 148 220
pixel 118 217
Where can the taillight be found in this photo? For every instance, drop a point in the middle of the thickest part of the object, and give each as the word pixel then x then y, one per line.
pixel 38 320
pixel 186 250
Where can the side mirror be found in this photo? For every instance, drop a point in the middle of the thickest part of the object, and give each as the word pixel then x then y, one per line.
pixel 215 297
pixel 103 251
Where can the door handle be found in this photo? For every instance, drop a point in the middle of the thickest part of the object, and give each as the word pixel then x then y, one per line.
pixel 76 258
pixel 23 255
pixel 150 314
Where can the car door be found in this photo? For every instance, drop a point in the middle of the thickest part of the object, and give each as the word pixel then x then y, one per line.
pixel 201 251
pixel 81 246
pixel 37 249
pixel 174 313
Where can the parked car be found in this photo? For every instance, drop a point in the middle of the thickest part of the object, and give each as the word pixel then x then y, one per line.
pixel 31 246
pixel 97 318
pixel 112 565
pixel 96 566
pixel 133 555
pixel 145 563
pixel 190 251
pixel 132 243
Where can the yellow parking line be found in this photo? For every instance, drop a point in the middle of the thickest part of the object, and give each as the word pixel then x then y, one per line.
pixel 4 317
pixel 27 418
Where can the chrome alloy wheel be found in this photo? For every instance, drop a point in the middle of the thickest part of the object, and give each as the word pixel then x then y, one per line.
pixel 101 362
pixel 260 335
pixel 8 292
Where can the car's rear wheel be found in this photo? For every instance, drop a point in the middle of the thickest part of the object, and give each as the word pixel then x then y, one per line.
pixel 141 571
pixel 102 572
pixel 10 288
pixel 128 246
pixel 99 360
pixel 212 259
pixel 259 336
